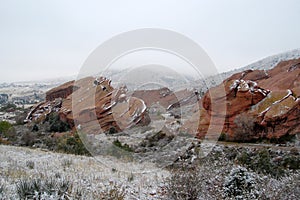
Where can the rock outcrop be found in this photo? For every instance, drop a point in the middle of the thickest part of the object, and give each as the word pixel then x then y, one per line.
pixel 166 97
pixel 92 100
pixel 62 91
pixel 271 98
pixel 174 103
pixel 259 104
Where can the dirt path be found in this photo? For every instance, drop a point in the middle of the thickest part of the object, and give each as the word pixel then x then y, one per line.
pixel 259 145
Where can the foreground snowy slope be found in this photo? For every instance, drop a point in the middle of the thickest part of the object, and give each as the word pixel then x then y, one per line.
pixel 85 173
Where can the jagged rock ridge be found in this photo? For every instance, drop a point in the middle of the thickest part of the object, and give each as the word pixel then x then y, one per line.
pixel 111 107
pixel 270 98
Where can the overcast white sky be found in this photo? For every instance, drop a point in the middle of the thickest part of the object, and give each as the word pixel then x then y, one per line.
pixel 44 39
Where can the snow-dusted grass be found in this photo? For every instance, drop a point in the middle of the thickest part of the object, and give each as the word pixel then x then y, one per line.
pixel 86 174
pixel 216 177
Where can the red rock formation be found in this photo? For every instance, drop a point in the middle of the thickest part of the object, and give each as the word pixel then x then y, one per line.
pixel 270 97
pixel 62 91
pixel 167 98
pixel 93 102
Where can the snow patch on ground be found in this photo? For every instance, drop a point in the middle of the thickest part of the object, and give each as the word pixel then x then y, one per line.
pixel 85 173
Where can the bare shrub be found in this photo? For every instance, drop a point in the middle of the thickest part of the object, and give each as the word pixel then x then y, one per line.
pixel 184 183
pixel 113 192
pixel 245 127
pixel 28 139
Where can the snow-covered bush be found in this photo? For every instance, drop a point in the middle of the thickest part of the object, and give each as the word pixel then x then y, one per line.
pixel 240 183
pixel 287 187
pixel 262 161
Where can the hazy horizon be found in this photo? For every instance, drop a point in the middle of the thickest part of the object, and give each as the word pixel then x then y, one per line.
pixel 44 40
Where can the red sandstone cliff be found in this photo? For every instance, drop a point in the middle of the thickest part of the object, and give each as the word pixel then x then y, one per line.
pixel 62 91
pixel 92 100
pixel 271 98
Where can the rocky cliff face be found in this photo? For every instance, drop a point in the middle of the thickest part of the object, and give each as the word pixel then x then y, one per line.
pixel 174 103
pixel 95 100
pixel 259 104
pixel 167 98
pixel 62 91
